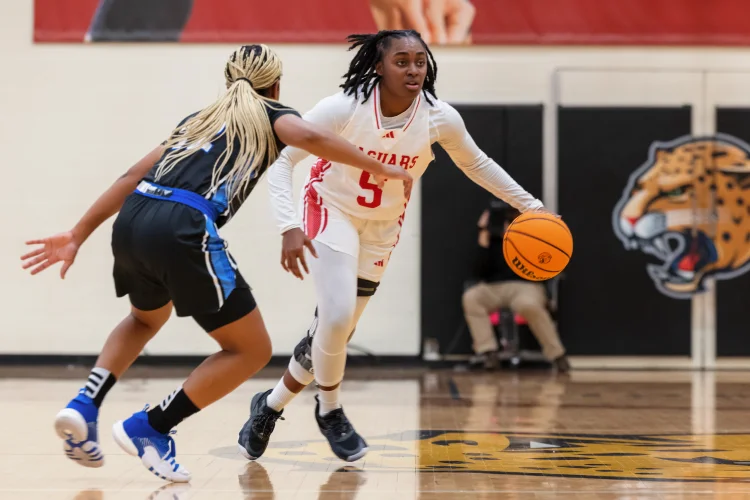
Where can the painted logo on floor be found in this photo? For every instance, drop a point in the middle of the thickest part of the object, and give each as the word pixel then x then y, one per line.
pixel 722 457
pixel 688 206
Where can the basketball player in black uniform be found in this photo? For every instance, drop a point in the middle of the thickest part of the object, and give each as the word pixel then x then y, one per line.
pixel 168 254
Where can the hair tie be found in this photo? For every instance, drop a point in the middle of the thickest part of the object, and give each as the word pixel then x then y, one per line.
pixel 245 79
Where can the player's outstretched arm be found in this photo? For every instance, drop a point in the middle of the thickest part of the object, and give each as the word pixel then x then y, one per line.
pixel 296 132
pixel 63 247
pixel 480 168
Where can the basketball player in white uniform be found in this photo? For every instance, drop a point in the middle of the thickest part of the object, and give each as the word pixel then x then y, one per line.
pixel 389 110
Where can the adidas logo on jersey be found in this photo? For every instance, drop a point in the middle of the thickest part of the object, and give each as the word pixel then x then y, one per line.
pixel 389 135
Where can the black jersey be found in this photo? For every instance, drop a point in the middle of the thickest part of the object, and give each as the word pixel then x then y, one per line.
pixel 194 172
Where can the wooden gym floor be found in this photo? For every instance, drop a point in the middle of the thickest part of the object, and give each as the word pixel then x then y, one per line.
pixel 432 434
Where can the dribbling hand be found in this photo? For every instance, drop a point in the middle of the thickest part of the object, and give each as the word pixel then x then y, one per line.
pixel 293 246
pixel 60 247
pixel 543 210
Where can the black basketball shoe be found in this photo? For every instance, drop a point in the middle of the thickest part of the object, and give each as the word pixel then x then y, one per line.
pixel 344 440
pixel 256 432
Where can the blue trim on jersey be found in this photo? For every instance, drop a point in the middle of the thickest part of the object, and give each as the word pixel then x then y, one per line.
pixel 219 199
pixel 223 269
pixel 183 196
pixel 215 245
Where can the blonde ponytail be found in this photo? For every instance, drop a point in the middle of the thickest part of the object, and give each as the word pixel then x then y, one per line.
pixel 240 114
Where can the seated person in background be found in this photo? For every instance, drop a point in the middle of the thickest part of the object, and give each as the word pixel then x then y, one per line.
pixel 500 287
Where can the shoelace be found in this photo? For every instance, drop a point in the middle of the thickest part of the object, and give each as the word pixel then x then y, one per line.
pixel 339 424
pixel 265 423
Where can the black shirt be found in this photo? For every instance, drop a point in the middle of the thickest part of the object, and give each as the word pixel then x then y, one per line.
pixel 490 265
pixel 194 172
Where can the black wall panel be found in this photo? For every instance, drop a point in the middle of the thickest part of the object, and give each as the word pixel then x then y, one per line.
pixel 733 295
pixel 452 204
pixel 609 305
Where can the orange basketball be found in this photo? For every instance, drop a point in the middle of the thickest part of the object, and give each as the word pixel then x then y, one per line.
pixel 537 246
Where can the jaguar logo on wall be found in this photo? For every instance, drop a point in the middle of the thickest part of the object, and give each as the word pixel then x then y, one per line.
pixel 688 206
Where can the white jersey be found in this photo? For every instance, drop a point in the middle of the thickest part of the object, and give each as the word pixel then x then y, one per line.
pixel 404 140
pixel 352 190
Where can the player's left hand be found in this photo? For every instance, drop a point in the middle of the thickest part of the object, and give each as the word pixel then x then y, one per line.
pixel 60 247
pixel 543 210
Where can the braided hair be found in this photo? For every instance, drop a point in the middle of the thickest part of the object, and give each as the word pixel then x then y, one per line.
pixel 362 74
pixel 240 114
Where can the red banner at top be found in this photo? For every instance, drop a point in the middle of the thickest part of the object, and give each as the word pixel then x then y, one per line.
pixel 603 22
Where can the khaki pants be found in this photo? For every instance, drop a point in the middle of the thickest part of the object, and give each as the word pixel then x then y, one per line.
pixel 524 298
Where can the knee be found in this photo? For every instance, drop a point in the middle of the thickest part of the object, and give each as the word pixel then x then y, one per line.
pixel 263 351
pixel 529 307
pixel 339 329
pixel 471 299
pixel 248 340
pixel 257 352
pixel 333 340
pixel 151 322
pixel 338 320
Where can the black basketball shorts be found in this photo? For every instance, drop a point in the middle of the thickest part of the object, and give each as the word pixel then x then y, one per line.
pixel 167 251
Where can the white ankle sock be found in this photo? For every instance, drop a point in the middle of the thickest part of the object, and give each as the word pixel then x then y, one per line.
pixel 329 401
pixel 279 397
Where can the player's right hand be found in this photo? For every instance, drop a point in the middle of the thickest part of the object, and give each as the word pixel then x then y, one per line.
pixel 60 247
pixel 293 245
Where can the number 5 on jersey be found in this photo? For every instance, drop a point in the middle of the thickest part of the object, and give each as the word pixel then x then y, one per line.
pixel 377 193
